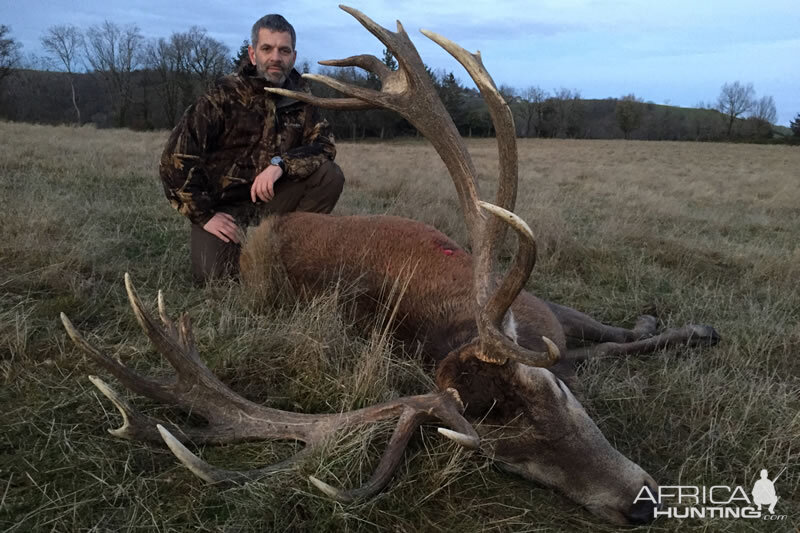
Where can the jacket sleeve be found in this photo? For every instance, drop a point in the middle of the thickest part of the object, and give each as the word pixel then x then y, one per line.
pixel 316 148
pixel 183 170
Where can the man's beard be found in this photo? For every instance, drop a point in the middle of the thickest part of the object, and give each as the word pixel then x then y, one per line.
pixel 273 78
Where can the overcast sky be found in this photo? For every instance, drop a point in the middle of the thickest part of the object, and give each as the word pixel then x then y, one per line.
pixel 678 52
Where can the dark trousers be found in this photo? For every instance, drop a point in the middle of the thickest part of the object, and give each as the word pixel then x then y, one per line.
pixel 213 258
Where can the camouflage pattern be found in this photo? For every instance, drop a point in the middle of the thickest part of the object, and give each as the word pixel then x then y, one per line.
pixel 230 134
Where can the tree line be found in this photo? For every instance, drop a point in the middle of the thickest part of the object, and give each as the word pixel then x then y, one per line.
pixel 110 75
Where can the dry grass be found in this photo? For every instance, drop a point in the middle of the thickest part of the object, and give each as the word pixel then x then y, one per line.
pixel 692 232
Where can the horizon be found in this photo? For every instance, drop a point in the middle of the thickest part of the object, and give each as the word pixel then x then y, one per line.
pixel 677 54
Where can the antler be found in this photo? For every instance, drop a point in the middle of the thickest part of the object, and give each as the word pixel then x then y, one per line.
pixel 232 418
pixel 493 303
pixel 410 92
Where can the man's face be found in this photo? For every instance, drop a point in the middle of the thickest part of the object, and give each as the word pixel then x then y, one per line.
pixel 273 55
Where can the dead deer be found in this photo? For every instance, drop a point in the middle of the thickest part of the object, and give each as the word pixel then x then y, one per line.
pixel 501 354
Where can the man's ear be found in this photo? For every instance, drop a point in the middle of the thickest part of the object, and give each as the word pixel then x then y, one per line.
pixel 252 53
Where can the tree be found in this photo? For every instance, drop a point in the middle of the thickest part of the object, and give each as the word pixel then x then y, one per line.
pixel 795 125
pixel 242 57
pixel 734 100
pixel 629 112
pixel 64 44
pixel 763 116
pixel 764 110
pixel 9 52
pixel 567 113
pixel 160 57
pixel 114 52
pixel 529 106
pixel 451 94
pixel 207 57
pixel 344 121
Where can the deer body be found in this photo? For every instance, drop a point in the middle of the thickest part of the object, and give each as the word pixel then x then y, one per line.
pixel 371 254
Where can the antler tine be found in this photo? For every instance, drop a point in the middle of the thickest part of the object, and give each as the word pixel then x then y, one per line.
pixel 502 118
pixel 213 474
pixel 368 62
pixel 159 390
pixel 395 42
pixel 410 92
pixel 375 98
pixel 408 422
pixel 178 349
pixel 165 319
pixel 136 426
pixel 524 261
pixel 445 406
pixel 345 104
pixel 497 348
pixel 490 314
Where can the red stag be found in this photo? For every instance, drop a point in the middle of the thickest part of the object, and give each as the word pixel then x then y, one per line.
pixel 500 352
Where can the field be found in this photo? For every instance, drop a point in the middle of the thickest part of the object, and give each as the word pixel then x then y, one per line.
pixel 702 233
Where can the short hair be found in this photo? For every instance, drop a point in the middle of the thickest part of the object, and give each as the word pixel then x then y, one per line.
pixel 272 22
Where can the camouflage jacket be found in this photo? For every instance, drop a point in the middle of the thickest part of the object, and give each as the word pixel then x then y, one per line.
pixel 230 134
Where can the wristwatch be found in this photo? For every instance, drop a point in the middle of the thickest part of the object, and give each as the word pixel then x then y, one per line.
pixel 278 162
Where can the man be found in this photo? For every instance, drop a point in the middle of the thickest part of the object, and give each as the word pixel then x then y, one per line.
pixel 240 153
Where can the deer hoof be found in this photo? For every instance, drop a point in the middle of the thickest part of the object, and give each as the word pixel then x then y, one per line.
pixel 704 335
pixel 646 326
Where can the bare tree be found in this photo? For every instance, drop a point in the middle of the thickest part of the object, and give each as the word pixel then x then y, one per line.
pixel 180 44
pixel 762 116
pixel 567 112
pixel 629 112
pixel 208 58
pixel 64 43
pixel 9 52
pixel 530 110
pixel 764 110
pixel 160 57
pixel 735 100
pixel 114 52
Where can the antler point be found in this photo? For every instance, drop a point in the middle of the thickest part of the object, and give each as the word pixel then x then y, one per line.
pixel 467 441
pixel 328 490
pixel 552 349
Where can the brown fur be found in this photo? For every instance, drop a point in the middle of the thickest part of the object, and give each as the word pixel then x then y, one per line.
pixel 373 254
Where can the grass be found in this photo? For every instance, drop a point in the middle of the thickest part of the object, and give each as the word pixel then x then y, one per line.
pixel 692 232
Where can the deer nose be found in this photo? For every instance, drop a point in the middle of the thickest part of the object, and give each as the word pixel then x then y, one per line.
pixel 643 511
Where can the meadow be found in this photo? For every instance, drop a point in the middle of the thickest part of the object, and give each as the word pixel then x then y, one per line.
pixel 690 232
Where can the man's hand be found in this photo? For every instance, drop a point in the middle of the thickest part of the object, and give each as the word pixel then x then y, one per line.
pixel 263 187
pixel 223 226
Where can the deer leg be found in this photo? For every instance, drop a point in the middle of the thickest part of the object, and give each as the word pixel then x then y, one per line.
pixel 691 335
pixel 580 328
